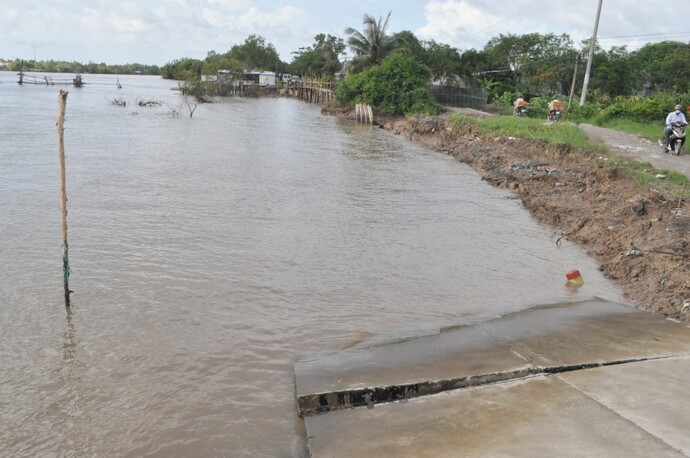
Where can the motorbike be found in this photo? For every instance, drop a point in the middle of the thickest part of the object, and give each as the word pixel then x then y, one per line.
pixel 554 115
pixel 676 140
pixel 520 111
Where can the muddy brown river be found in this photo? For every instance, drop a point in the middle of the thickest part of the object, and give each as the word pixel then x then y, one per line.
pixel 209 254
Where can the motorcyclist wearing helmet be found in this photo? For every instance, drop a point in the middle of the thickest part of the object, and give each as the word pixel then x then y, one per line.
pixel 673 117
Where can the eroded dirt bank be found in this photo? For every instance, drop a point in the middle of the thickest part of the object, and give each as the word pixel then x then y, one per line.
pixel 640 242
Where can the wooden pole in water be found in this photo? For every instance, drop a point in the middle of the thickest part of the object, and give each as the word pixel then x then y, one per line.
pixel 62 103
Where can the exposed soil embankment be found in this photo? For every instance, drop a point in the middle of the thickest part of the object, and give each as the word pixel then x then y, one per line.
pixel 640 242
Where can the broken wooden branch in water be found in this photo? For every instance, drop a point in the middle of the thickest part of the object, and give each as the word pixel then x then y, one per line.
pixel 120 102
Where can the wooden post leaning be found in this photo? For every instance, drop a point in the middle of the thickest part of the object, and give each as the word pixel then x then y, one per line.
pixel 62 103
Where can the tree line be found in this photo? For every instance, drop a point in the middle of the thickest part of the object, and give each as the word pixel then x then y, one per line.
pixel 60 66
pixel 508 65
pixel 528 64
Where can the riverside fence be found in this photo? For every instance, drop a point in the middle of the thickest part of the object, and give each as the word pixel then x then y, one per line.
pixel 460 97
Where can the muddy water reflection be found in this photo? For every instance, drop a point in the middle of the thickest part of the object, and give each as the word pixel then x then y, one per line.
pixel 209 254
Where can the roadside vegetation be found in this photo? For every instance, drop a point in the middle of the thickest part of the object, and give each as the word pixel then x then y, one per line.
pixel 633 114
pixel 395 87
pixel 642 173
pixel 535 129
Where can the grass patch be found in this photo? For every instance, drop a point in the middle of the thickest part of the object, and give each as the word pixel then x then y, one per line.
pixel 645 175
pixel 675 177
pixel 616 161
pixel 559 133
pixel 562 133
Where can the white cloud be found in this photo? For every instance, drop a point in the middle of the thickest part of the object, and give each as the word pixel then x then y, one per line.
pixel 158 31
pixel 456 23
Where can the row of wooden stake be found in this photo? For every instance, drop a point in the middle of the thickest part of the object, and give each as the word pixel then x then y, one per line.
pixel 364 113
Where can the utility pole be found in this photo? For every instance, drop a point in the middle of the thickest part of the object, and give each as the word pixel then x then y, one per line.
pixel 585 86
pixel 572 86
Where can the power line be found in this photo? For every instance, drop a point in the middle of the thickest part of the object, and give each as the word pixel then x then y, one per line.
pixel 685 32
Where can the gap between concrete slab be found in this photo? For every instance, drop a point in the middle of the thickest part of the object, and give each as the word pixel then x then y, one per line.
pixel 313 404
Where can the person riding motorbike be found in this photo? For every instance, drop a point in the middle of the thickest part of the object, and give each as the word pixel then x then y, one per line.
pixel 555 106
pixel 520 106
pixel 673 117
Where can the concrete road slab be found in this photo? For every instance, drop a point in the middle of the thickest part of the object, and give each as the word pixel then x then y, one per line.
pixel 654 395
pixel 524 343
pixel 535 417
pixel 446 356
pixel 594 331
pixel 633 402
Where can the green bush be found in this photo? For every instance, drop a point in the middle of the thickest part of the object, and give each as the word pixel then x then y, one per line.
pixel 350 90
pixel 506 101
pixel 399 85
pixel 640 109
pixel 585 112
pixel 539 107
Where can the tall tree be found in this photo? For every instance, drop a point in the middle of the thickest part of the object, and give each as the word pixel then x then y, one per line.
pixel 443 60
pixel 255 53
pixel 215 62
pixel 664 66
pixel 320 59
pixel 533 62
pixel 612 74
pixel 408 42
pixel 372 44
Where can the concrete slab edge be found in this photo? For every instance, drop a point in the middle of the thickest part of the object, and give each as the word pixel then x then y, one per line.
pixel 313 404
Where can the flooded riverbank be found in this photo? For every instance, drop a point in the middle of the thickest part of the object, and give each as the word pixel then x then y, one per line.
pixel 209 254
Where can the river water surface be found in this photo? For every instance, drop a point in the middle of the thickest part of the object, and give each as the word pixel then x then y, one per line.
pixel 210 253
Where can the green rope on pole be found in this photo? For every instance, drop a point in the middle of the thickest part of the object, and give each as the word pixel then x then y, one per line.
pixel 65 262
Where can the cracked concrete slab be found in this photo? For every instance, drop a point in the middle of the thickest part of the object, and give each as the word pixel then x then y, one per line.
pixel 411 388
pixel 541 339
pixel 535 417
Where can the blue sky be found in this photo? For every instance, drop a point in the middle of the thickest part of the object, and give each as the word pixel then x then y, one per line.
pixel 158 31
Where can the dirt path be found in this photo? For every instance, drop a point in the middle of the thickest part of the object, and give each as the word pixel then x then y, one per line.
pixel 638 148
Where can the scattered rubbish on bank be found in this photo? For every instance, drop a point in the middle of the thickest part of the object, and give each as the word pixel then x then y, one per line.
pixel 634 253
pixel 574 278
pixel 639 208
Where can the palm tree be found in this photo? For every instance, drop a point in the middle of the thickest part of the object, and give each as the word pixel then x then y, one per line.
pixel 372 44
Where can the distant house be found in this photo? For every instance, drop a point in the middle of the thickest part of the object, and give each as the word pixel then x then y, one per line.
pixel 260 77
pixel 3 65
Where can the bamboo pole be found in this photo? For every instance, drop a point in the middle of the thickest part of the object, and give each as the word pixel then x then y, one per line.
pixel 62 103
